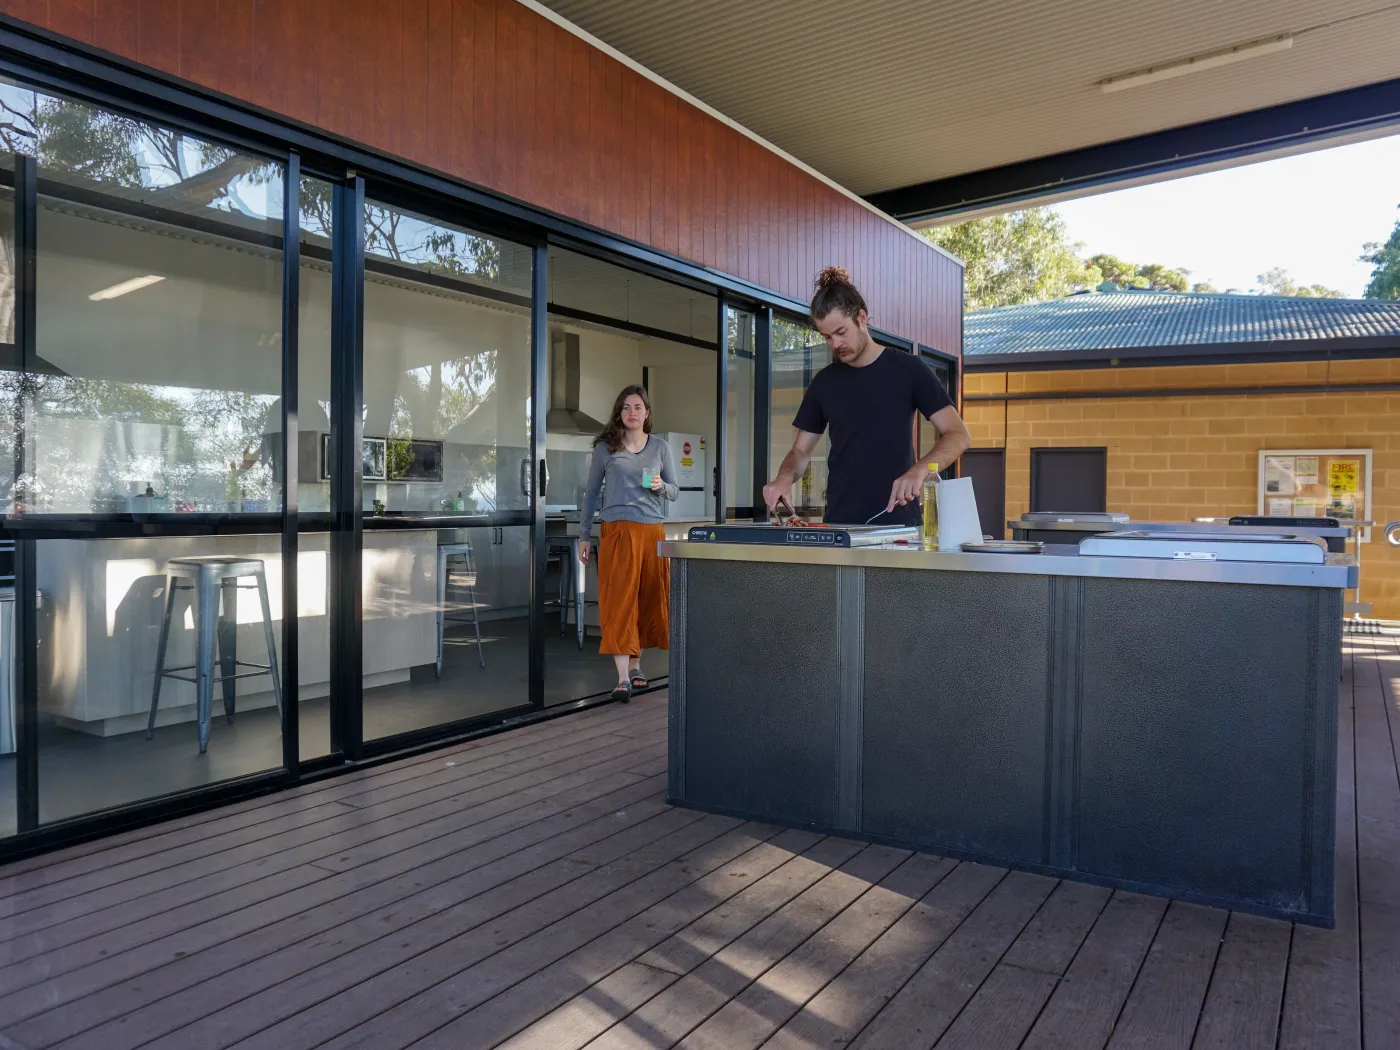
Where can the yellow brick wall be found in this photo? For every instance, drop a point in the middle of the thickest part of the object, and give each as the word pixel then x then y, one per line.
pixel 1171 458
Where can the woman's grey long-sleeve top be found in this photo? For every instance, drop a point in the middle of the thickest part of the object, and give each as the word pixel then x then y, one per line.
pixel 619 477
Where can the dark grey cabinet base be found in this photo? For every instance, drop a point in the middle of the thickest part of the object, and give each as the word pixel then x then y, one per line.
pixel 1174 738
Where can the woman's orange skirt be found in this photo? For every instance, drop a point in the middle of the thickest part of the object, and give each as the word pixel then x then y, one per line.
pixel 634 589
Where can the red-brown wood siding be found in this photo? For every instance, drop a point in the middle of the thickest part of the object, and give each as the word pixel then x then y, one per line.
pixel 491 93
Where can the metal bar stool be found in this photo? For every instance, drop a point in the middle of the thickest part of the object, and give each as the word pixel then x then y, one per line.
pixel 211 578
pixel 571 583
pixel 446 552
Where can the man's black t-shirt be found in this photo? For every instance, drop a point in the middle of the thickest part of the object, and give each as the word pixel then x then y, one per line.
pixel 870 411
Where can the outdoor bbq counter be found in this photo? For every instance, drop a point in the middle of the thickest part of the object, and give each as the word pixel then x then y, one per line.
pixel 1162 726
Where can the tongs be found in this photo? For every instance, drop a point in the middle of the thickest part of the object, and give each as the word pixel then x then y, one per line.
pixel 791 519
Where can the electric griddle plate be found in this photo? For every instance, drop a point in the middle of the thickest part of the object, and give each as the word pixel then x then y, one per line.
pixel 808 536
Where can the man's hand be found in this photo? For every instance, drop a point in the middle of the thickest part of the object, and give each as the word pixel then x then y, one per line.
pixel 907 486
pixel 585 547
pixel 779 488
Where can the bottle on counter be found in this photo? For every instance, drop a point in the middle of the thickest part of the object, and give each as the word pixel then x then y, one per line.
pixel 929 496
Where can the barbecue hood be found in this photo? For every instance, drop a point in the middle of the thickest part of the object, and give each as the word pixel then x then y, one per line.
pixel 564 416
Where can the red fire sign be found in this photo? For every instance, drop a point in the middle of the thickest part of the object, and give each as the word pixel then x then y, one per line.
pixel 686 448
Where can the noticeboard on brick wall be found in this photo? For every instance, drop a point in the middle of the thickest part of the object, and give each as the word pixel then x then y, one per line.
pixel 1316 483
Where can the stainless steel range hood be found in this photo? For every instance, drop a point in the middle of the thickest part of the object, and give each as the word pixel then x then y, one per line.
pixel 564 416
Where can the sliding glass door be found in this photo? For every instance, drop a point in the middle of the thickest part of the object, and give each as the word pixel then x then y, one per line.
pixel 445 473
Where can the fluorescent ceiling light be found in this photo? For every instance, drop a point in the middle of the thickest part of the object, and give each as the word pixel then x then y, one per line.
pixel 1196 63
pixel 135 284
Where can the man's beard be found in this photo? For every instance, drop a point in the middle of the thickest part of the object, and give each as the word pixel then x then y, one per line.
pixel 857 352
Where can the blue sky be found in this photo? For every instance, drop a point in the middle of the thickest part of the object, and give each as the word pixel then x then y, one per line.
pixel 1309 214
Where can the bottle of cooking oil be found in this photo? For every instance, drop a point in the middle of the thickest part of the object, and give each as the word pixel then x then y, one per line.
pixel 929 495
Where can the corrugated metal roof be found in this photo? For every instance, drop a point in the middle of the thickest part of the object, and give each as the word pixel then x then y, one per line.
pixel 888 93
pixel 1148 320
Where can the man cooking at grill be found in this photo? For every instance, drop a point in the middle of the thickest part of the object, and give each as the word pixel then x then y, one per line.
pixel 868 397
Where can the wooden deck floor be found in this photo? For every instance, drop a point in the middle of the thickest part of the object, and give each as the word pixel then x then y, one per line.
pixel 533 890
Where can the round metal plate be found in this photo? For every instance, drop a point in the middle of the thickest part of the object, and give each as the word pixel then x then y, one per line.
pixel 1004 547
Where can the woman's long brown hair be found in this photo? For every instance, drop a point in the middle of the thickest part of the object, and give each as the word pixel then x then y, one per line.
pixel 612 433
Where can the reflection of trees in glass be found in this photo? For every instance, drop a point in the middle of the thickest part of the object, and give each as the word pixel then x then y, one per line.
pixel 315 216
pixel 7 266
pixel 190 445
pixel 407 239
pixel 171 168
pixel 435 399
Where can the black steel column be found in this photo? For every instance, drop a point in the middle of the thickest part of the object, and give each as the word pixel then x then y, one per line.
pixel 762 405
pixel 26 552
pixel 539 401
pixel 347 439
pixel 291 313
pixel 721 406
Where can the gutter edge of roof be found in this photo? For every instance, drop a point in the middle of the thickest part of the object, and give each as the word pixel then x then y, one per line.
pixel 1261 350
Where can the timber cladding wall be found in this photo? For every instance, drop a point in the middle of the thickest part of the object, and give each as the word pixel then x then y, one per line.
pixel 491 93
pixel 1171 458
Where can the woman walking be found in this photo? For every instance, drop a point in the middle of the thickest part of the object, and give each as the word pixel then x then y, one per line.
pixel 636 474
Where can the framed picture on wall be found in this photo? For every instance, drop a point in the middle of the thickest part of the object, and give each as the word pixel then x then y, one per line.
pixel 1316 483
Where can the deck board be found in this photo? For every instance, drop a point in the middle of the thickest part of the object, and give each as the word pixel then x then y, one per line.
pixel 676 1012
pixel 533 890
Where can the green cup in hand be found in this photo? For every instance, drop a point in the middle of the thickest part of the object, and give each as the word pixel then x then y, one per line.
pixel 646 479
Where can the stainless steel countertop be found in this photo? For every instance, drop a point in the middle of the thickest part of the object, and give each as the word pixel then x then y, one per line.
pixel 1058 560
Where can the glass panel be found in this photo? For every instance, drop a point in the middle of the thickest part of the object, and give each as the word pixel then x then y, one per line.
pixel 159 307
pixel 446 572
pixel 738 448
pixel 313 486
pixel 799 352
pixel 9 666
pixel 590 289
pixel 103 607
pixel 591 361
pixel 927 432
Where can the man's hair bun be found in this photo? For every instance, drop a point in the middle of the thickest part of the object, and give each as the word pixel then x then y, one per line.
pixel 836 292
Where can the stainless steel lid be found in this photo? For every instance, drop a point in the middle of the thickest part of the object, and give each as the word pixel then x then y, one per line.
pixel 1041 516
pixel 1206 546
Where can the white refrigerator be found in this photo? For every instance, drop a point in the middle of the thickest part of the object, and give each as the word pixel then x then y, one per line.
pixel 696 502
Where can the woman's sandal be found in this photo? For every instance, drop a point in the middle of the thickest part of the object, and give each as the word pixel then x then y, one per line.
pixel 637 679
pixel 622 692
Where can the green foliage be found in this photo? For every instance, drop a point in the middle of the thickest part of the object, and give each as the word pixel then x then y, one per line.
pixel 1278 282
pixel 1152 276
pixel 1026 257
pixel 1385 263
pixel 1019 257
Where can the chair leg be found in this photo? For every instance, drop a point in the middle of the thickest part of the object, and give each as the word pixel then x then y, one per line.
pixel 207 598
pixel 565 585
pixel 580 580
pixel 276 671
pixel 160 652
pixel 476 622
pixel 228 644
